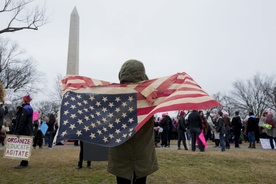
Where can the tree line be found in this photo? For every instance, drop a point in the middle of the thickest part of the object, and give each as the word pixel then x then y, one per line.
pixel 255 94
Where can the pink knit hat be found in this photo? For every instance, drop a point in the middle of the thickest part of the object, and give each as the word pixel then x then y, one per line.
pixel 269 113
pixel 225 113
pixel 27 98
pixel 164 114
pixel 182 113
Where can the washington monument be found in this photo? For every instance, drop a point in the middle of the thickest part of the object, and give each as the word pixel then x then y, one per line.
pixel 73 45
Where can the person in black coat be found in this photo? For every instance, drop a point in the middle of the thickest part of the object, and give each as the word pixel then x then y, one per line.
pixel 181 130
pixel 195 124
pixel 221 129
pixel 165 124
pixel 24 124
pixel 38 135
pixel 81 158
pixel 236 127
pixel 50 130
pixel 250 130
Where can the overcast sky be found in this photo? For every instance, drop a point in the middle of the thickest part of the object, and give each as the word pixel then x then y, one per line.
pixel 215 42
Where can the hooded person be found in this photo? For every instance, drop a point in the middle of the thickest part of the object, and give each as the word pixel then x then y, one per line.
pixel 133 160
pixel 23 124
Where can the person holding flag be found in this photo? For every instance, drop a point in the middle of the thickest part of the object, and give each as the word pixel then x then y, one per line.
pixel 123 115
pixel 133 160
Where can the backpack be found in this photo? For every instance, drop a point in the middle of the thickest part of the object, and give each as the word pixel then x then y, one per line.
pixel 270 121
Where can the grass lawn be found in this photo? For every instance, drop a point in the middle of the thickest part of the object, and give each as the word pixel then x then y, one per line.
pixel 175 166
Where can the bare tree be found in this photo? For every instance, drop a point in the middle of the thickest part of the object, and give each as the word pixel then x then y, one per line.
pixel 52 105
pixel 226 102
pixel 251 95
pixel 20 15
pixel 270 91
pixel 18 72
pixel 57 91
pixel 47 106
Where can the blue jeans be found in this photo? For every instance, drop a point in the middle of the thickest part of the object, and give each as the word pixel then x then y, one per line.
pixel 222 141
pixel 251 137
pixel 49 136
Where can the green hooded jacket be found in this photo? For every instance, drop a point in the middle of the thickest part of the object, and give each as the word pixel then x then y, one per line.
pixel 138 153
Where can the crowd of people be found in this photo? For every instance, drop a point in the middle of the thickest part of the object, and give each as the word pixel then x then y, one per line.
pixel 40 138
pixel 135 159
pixel 24 123
pixel 220 128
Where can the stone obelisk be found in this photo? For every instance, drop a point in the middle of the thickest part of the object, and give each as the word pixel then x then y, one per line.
pixel 73 45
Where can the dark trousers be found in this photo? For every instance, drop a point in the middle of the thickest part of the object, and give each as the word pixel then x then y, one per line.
pixel 169 138
pixel 227 142
pixel 216 142
pixel 164 138
pixel 38 139
pixel 134 181
pixel 237 138
pixel 49 136
pixel 271 141
pixel 2 139
pixel 194 135
pixel 181 137
pixel 81 156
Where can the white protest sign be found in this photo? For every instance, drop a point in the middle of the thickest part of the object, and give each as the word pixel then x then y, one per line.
pixel 18 148
pixel 266 143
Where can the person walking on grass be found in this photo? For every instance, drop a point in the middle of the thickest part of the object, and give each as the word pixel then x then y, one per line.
pixel 196 127
pixel 250 129
pixel 181 130
pixel 220 128
pixel 81 158
pixel 24 125
pixel 236 127
pixel 271 133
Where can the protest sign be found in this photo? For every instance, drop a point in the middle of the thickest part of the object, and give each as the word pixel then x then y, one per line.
pixel 266 143
pixel 18 148
pixel 44 128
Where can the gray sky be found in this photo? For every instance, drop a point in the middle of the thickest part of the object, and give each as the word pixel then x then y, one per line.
pixel 216 42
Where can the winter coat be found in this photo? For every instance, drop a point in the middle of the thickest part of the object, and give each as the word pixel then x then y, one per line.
pixel 138 153
pixel 24 120
pixel 251 124
pixel 181 124
pixel 165 123
pixel 236 124
pixel 272 131
pixel 226 121
pixel 194 120
pixel 220 126
pixel 51 125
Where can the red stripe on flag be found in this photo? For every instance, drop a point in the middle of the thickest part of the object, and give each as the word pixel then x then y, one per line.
pixel 176 92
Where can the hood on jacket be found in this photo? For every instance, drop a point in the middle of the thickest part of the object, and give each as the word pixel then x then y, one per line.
pixel 132 71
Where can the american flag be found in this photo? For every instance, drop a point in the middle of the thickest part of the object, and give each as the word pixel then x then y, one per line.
pixel 109 114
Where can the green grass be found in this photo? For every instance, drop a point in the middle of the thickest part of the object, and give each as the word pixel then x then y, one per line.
pixel 175 166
